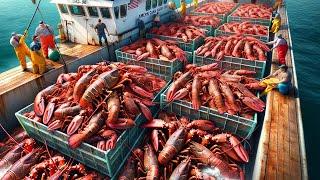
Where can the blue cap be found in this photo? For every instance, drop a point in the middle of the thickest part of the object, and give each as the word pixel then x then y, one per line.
pixel 41 22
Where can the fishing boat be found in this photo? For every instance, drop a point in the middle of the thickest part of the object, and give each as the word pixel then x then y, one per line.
pixel 277 148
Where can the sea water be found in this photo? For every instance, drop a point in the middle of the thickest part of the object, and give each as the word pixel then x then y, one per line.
pixel 304 18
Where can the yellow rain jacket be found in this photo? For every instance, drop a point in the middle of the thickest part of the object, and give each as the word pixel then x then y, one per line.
pixel 183 8
pixel 276 23
pixel 195 3
pixel 22 51
pixel 37 58
pixel 269 84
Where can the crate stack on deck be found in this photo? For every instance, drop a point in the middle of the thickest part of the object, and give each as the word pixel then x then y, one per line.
pixel 110 162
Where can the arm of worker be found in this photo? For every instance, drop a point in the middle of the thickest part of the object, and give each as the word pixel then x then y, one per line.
pixel 272 75
pixel 271 42
pixel 275 45
pixel 105 27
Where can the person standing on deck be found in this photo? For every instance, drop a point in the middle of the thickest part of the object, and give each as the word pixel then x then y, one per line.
pixel 37 59
pixel 276 23
pixel 142 27
pixel 17 41
pixel 183 8
pixel 281 45
pixel 156 20
pixel 280 79
pixel 195 3
pixel 46 35
pixel 99 28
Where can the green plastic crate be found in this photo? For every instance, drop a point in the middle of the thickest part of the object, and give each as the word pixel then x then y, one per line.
pixel 232 63
pixel 219 32
pixel 240 126
pixel 106 162
pixel 189 46
pixel 223 17
pixel 163 69
pixel 265 22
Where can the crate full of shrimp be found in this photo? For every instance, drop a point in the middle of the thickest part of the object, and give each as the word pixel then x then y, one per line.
pixel 100 127
pixel 207 92
pixel 257 31
pixel 187 37
pixel 234 53
pixel 254 13
pixel 218 9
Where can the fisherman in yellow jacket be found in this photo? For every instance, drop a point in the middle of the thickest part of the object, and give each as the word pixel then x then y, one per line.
pixel 20 47
pixel 37 58
pixel 183 8
pixel 276 23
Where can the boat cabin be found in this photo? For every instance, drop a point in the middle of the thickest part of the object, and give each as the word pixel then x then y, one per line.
pixel 79 17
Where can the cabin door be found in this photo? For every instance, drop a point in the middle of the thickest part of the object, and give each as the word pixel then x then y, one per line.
pixel 70 31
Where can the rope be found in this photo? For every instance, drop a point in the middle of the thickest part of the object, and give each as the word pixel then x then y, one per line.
pixel 34 14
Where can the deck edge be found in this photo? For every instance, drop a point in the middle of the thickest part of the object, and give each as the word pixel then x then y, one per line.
pixel 299 116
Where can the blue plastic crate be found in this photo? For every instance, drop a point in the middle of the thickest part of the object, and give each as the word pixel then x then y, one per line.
pixel 106 162
pixel 232 63
pixel 219 32
pixel 240 126
pixel 189 46
pixel 161 68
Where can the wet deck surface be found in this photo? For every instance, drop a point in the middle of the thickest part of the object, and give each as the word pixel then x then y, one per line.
pixel 15 77
pixel 280 147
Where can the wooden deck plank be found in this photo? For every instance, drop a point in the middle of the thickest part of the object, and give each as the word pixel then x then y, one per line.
pixel 286 141
pixel 15 77
pixel 283 108
pixel 294 151
pixel 272 151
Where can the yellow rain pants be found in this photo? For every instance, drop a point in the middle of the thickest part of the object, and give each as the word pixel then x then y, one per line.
pixel 276 23
pixel 183 8
pixel 38 62
pixel 195 3
pixel 22 51
pixel 269 84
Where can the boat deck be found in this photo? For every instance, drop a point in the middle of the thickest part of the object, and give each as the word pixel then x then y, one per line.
pixel 281 151
pixel 14 77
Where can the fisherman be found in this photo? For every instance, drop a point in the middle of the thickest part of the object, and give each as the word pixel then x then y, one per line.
pixel 37 59
pixel 46 35
pixel 281 79
pixel 183 8
pixel 142 27
pixel 195 3
pixel 99 28
pixel 20 47
pixel 281 45
pixel 276 23
pixel 156 20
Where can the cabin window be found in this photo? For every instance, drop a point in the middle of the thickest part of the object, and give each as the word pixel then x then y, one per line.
pixel 165 1
pixel 77 10
pixel 159 2
pixel 154 3
pixel 123 10
pixel 63 8
pixel 93 11
pixel 116 12
pixel 105 12
pixel 148 5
